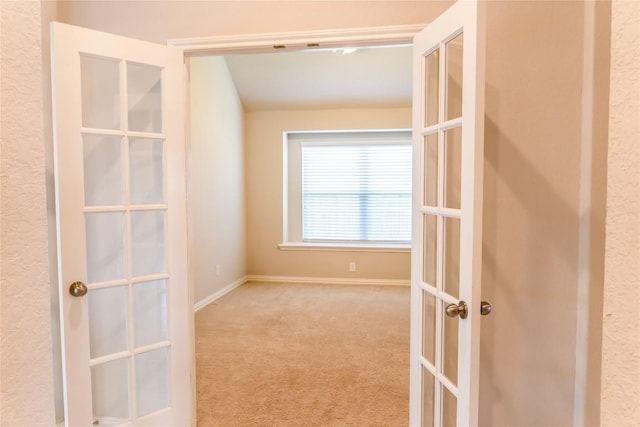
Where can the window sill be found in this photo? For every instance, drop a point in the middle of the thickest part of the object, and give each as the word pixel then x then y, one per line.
pixel 343 247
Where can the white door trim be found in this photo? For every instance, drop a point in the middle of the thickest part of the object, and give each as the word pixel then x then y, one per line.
pixel 297 40
pixel 265 43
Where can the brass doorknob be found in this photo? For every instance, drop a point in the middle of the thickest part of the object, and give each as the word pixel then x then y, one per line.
pixel 485 308
pixel 78 289
pixel 454 310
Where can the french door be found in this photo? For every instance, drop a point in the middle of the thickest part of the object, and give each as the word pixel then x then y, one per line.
pixel 448 115
pixel 126 309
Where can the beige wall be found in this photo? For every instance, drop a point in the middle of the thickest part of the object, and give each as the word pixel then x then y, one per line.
pixel 216 181
pixel 264 196
pixel 160 20
pixel 534 149
pixel 26 371
pixel 621 336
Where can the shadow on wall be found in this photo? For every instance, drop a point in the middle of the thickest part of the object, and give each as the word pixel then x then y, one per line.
pixel 529 247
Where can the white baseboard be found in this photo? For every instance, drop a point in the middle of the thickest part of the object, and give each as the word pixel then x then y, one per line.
pixel 327 280
pixel 291 279
pixel 218 294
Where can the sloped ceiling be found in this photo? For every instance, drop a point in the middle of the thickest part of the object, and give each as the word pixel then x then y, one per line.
pixel 370 77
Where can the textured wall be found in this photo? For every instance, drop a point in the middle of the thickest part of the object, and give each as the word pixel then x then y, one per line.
pixel 620 405
pixel 25 329
pixel 216 181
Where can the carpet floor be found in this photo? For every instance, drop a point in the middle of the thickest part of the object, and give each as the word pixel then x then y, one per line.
pixel 302 355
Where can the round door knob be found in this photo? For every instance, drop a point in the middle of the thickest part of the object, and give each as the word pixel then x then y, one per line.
pixel 78 289
pixel 459 310
pixel 485 308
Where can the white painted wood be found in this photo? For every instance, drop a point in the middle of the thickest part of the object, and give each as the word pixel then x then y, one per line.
pixel 219 294
pixel 326 280
pixel 580 402
pixel 262 43
pixel 466 17
pixel 337 247
pixel 290 279
pixel 67 44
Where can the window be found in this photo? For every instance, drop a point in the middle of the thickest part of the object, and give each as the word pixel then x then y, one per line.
pixel 348 188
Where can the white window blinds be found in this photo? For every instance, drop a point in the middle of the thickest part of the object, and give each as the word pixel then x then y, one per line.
pixel 359 192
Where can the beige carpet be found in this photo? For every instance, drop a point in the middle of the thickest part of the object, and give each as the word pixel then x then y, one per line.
pixel 304 355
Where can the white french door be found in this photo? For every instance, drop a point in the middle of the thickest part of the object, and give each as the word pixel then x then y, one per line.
pixel 126 309
pixel 448 115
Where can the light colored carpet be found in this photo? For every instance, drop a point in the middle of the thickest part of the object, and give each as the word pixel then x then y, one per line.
pixel 304 355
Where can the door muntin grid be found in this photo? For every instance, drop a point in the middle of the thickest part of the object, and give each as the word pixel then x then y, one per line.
pixel 441 217
pixel 125 213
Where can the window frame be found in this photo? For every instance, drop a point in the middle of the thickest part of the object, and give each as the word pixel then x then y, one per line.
pixel 292 185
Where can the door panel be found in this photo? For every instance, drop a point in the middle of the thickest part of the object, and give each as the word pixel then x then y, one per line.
pixel 447 222
pixel 121 216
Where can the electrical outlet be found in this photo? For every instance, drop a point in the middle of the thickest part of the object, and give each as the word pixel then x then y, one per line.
pixel 352 266
pixel 217 269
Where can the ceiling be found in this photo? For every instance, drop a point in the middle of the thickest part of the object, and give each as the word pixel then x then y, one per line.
pixel 371 77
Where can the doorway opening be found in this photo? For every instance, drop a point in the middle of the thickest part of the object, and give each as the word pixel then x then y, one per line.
pixel 249 113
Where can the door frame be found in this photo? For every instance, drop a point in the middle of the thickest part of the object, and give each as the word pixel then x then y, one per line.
pixel 273 43
pixel 297 40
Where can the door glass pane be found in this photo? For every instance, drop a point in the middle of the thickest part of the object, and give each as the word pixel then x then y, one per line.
pixel 454 78
pixel 450 347
pixel 147 242
pixel 429 327
pixel 110 392
pixel 449 408
pixel 100 83
pixel 107 321
pixel 150 312
pixel 152 381
pixel 146 171
pixel 145 98
pixel 430 242
pixel 431 88
pixel 428 396
pixel 431 170
pixel 452 256
pixel 105 246
pixel 102 170
pixel 453 167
